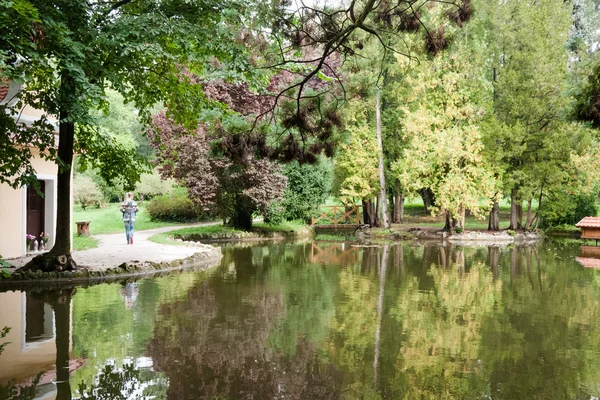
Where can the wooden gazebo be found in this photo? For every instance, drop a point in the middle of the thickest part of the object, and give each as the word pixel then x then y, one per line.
pixel 590 228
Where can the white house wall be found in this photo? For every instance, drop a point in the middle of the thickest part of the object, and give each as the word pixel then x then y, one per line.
pixel 13 209
pixel 12 230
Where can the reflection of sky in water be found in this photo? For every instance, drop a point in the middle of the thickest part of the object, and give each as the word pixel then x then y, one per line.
pixel 329 320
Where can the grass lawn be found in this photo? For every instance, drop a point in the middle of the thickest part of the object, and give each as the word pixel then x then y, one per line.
pixel 414 215
pixel 283 227
pixel 108 220
pixel 470 222
pixel 164 238
pixel 84 242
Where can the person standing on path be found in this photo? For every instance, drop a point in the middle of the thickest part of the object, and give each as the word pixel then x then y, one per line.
pixel 129 208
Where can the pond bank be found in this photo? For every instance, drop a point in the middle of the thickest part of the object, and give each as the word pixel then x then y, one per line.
pixel 219 234
pixel 197 262
pixel 435 234
pixel 243 236
pixel 113 257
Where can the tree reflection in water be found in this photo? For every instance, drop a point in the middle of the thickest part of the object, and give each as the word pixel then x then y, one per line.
pixel 111 383
pixel 124 383
pixel 396 322
pixel 218 343
pixel 60 301
pixel 433 322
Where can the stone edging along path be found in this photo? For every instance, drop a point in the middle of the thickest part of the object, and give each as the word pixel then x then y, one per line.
pixel 114 258
pixel 197 262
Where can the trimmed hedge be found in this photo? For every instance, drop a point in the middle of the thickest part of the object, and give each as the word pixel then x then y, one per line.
pixel 175 207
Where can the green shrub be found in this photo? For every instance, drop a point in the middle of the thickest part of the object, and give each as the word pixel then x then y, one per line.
pixel 308 187
pixel 511 232
pixel 4 263
pixel 275 214
pixel 3 333
pixel 458 229
pixel 86 192
pixel 152 185
pixel 112 193
pixel 174 207
pixel 564 209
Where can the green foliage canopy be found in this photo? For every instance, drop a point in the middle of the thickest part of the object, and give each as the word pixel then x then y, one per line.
pixel 308 187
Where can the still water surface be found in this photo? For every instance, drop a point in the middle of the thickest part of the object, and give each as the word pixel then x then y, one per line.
pixel 320 321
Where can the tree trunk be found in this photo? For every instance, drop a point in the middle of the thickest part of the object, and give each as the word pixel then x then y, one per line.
pixel 494 218
pixel 401 207
pixel 428 199
pixel 62 314
pixel 376 218
pixel 460 221
pixel 448 224
pixel 62 243
pixel 369 212
pixel 520 214
pixel 59 257
pixel 398 209
pixel 537 213
pixel 382 194
pixel 242 219
pixel 365 210
pixel 372 212
pixel 513 210
pixel 425 196
pixel 529 217
pixel 382 273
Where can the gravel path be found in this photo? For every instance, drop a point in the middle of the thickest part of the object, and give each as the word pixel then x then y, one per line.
pixel 113 250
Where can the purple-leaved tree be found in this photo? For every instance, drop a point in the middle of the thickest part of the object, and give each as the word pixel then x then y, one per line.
pixel 233 188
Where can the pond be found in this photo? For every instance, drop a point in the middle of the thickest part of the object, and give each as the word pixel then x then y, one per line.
pixel 318 320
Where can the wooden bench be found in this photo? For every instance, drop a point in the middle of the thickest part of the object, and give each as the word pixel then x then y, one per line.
pixel 83 228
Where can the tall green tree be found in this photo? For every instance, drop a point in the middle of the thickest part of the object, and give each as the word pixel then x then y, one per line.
pixel 308 187
pixel 444 150
pixel 356 172
pixel 529 67
pixel 67 53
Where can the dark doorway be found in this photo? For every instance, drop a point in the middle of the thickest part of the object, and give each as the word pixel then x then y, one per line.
pixel 35 210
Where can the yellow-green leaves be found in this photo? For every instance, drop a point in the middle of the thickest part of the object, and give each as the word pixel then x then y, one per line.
pixel 444 143
pixel 356 170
